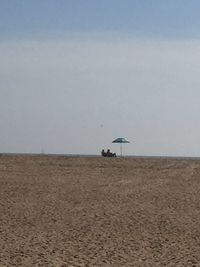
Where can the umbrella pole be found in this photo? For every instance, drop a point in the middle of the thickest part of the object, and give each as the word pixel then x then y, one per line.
pixel 121 149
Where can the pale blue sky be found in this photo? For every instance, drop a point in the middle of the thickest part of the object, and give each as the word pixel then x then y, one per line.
pixel 74 75
pixel 152 18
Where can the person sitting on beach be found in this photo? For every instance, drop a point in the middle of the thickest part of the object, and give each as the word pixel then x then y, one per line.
pixel 109 154
pixel 103 153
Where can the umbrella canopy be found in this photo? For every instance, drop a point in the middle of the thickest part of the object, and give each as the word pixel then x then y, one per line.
pixel 120 141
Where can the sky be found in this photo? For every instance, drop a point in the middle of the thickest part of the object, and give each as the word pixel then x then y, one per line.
pixel 74 75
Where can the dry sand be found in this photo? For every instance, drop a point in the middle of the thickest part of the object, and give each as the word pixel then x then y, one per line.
pixel 79 211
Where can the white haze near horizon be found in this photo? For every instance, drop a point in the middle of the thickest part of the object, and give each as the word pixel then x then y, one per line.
pixel 77 95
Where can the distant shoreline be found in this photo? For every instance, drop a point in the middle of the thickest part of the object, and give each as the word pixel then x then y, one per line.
pixel 98 156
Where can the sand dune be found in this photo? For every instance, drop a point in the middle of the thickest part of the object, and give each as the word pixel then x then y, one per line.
pixel 79 211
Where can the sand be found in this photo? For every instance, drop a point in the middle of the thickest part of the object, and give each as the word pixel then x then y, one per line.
pixel 81 211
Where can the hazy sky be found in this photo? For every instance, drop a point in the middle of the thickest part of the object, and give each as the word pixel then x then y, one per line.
pixel 76 74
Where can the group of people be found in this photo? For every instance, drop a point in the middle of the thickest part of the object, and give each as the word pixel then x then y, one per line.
pixel 108 153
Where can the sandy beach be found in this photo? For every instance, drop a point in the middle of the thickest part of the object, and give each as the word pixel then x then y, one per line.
pixel 93 211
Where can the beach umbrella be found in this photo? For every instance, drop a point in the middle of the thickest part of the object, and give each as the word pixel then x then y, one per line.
pixel 120 141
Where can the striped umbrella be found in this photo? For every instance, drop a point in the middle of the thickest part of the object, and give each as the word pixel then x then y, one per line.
pixel 120 141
